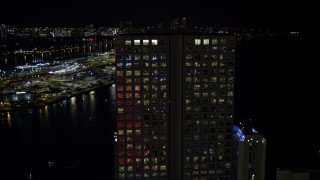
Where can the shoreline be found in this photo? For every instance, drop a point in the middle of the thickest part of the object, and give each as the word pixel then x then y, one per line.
pixel 57 99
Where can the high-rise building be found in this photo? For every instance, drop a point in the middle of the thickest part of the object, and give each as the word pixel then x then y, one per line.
pixel 174 106
pixel 178 23
pixel 3 33
pixel 250 154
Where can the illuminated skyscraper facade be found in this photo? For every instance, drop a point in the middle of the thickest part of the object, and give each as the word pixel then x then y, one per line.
pixel 174 106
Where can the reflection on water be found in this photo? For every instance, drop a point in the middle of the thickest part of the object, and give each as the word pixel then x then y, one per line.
pixel 77 131
pixel 9 120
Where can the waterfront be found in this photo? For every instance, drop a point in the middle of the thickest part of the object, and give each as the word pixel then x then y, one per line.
pixel 45 83
pixel 76 134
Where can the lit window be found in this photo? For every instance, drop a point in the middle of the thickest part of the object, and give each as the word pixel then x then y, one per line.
pixel 138 160
pixel 121 175
pixel 189 56
pixel 230 93
pixel 128 80
pixel 163 87
pixel 188 101
pixel 145 42
pixel 213 94
pixel 121 169
pixel 163 64
pixel 223 41
pixel 146 102
pixel 154 42
pixel 197 41
pixel 128 73
pixel 130 168
pixel 130 161
pixel 206 42
pixel 120 88
pixel 119 73
pixel 196 87
pixel 205 94
pixel 188 108
pixel 137 88
pixel 137 95
pixel 145 73
pixel 137 73
pixel 155 160
pixel 228 165
pixel 145 57
pixel 146 168
pixel 128 64
pixel 127 57
pixel 153 87
pixel 154 58
pixel 221 56
pixel 128 88
pixel 222 79
pixel 129 132
pixel 154 95
pixel 137 57
pixel 155 168
pixel 214 41
pixel 146 175
pixel 189 79
pixel 121 132
pixel 136 42
pixel 128 42
pixel 221 101
pixel 128 95
pixel 120 109
pixel 214 64
pixel 137 102
pixel 196 94
pixel 146 161
pixel 214 49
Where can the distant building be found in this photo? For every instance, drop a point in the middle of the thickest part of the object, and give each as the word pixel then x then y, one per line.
pixel 174 106
pixel 178 23
pixel 3 33
pixel 250 149
pixel 293 174
pixel 297 174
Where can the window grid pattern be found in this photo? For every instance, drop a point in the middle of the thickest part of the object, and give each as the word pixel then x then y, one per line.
pixel 142 108
pixel 208 113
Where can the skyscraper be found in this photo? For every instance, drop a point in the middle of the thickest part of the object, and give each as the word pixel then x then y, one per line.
pixel 175 106
pixel 250 151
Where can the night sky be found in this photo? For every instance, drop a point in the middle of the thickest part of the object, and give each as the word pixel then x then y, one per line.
pixel 249 13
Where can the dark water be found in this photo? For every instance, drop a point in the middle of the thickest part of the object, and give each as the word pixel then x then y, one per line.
pixel 76 134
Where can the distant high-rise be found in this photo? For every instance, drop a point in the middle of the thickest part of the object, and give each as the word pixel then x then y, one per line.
pixel 3 33
pixel 174 106
pixel 250 152
pixel 178 23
